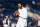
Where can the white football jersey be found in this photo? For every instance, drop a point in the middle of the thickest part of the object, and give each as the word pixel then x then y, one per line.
pixel 23 13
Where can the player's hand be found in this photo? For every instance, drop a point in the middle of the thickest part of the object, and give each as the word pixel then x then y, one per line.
pixel 16 13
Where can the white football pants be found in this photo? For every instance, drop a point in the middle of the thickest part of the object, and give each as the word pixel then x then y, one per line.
pixel 21 22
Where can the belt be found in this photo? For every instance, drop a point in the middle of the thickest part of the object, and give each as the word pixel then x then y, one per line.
pixel 23 18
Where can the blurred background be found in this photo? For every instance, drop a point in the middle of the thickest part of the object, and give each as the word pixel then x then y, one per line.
pixel 8 7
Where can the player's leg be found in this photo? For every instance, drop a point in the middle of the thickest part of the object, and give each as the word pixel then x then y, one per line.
pixel 22 22
pixel 18 23
pixel 26 23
